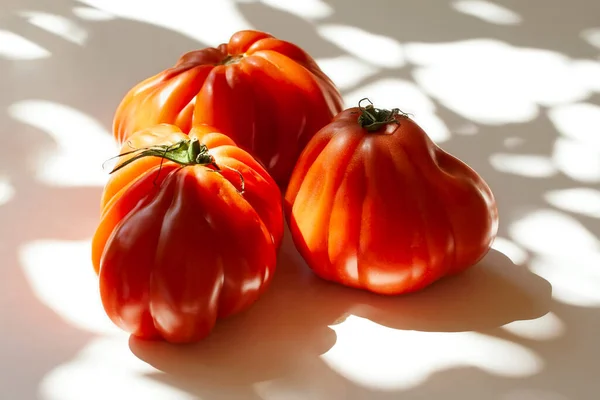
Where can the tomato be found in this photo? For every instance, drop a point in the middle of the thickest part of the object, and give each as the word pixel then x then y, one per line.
pixel 267 94
pixel 189 231
pixel 374 204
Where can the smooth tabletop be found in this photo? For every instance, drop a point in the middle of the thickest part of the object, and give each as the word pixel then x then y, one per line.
pixel 510 87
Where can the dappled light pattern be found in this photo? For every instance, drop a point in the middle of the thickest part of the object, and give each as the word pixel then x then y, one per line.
pixel 548 327
pixel 579 200
pixel 579 161
pixel 529 165
pixel 7 191
pixel 575 278
pixel 106 369
pixel 487 11
pixel 347 71
pixel 210 22
pixel 16 47
pixel 552 232
pixel 379 50
pixel 388 359
pixel 578 121
pixel 565 253
pixel 92 14
pixel 513 251
pixel 75 299
pixel 506 86
pixel 492 82
pixel 309 9
pixel 58 25
pixel 592 36
pixel 82 144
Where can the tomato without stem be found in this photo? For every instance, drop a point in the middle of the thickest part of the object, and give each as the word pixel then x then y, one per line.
pixel 189 232
pixel 267 94
pixel 374 204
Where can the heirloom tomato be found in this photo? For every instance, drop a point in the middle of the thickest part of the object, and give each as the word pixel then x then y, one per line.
pixel 374 203
pixel 267 94
pixel 189 231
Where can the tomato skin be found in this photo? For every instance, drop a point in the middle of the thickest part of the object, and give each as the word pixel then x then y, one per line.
pixel 267 94
pixel 386 211
pixel 177 251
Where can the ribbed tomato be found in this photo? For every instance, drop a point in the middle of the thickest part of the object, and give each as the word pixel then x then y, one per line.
pixel 189 233
pixel 267 94
pixel 373 203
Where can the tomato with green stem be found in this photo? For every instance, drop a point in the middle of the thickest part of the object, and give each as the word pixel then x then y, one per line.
pixel 267 94
pixel 189 231
pixel 374 203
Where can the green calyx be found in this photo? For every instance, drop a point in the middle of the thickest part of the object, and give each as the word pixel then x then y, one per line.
pixel 373 119
pixel 184 153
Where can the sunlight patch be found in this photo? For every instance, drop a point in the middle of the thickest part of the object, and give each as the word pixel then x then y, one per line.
pixel 382 51
pixel 346 71
pixel 566 254
pixel 548 327
pixel 488 12
pixel 492 82
pixel 383 358
pixel 15 47
pixel 577 160
pixel 82 144
pixel 592 36
pixel 553 233
pixel 61 276
pixel 218 19
pixel 510 249
pixel 7 191
pixel 106 369
pixel 58 25
pixel 581 200
pixel 92 14
pixel 578 121
pixel 307 9
pixel 529 165
pixel 575 277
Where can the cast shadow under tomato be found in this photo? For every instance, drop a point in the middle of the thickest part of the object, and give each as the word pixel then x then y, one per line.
pixel 283 335
pixel 287 327
pixel 493 293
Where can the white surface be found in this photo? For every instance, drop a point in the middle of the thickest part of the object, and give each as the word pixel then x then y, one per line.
pixel 512 89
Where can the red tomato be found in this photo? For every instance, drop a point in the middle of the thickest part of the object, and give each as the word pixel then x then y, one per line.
pixel 189 232
pixel 267 94
pixel 373 203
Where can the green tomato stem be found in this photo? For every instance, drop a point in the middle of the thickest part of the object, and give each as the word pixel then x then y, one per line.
pixel 185 153
pixel 373 119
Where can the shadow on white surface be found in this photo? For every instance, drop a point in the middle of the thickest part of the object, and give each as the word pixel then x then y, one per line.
pixel 280 340
pixel 502 85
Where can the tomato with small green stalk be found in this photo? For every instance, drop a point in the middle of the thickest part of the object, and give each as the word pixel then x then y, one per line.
pixel 267 94
pixel 189 232
pixel 373 203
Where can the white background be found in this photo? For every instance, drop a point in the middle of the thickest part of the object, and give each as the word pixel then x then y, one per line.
pixel 512 89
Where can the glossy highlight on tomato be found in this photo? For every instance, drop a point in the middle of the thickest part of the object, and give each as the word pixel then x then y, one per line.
pixel 189 232
pixel 373 203
pixel 267 94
